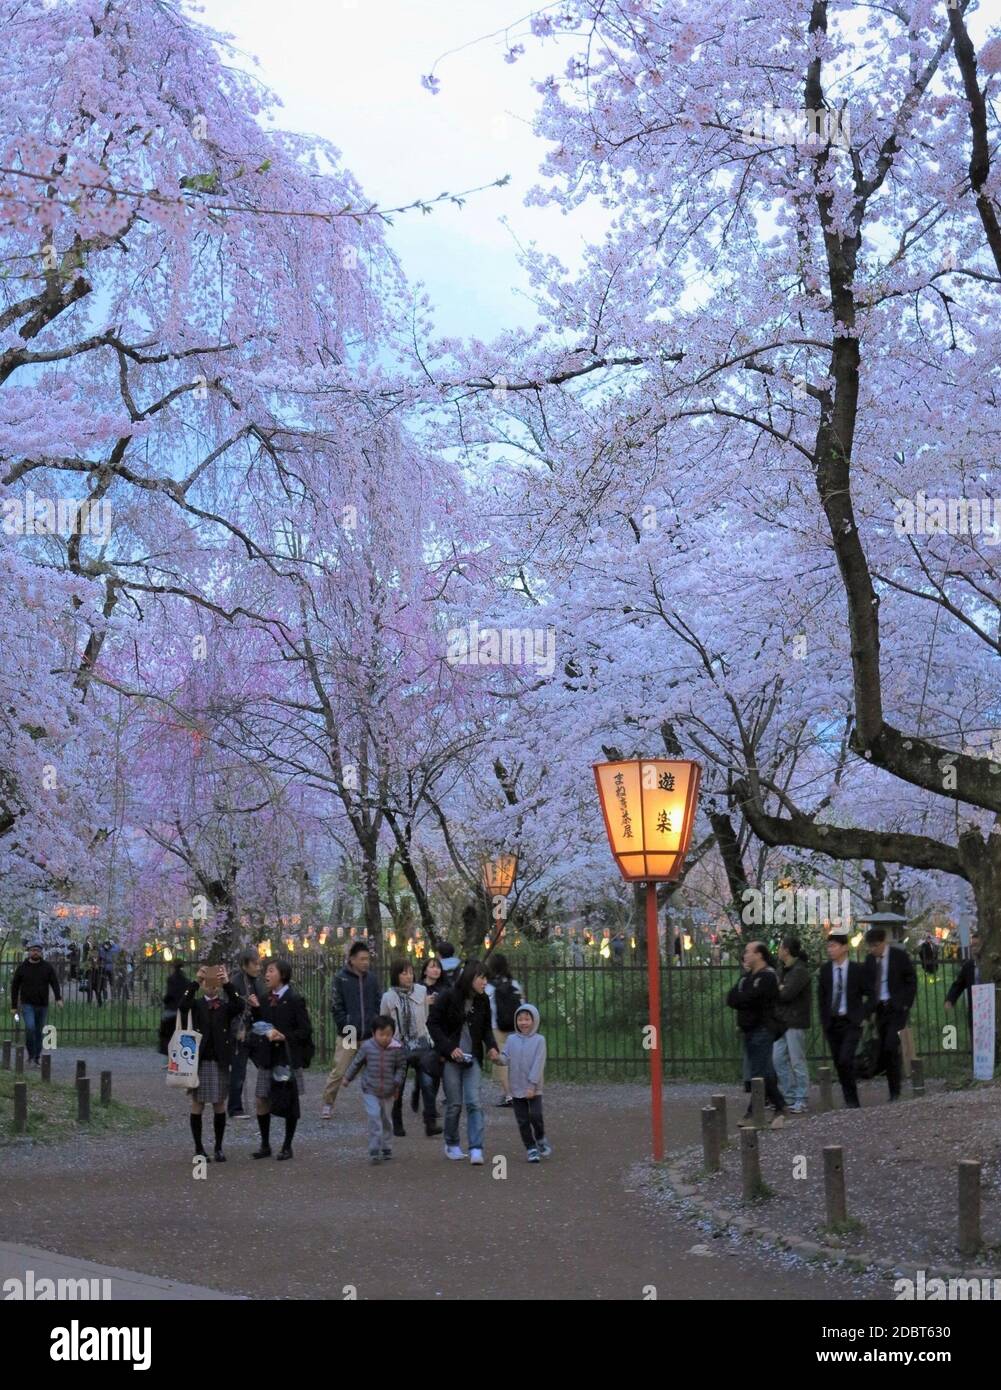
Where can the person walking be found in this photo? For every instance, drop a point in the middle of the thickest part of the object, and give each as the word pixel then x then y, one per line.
pixel 754 998
pixel 355 997
pixel 176 985
pixel 406 1004
pixel 793 1011
pixel 385 1067
pixel 211 1015
pixel 525 1055
pixel 245 984
pixel 890 983
pixel 29 988
pixel 459 1024
pixel 968 975
pixel 282 1037
pixel 841 996
pixel 505 994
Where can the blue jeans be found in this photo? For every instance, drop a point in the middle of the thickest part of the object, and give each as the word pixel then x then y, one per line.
pixel 758 1046
pixel 462 1088
pixel 34 1022
pixel 380 1131
pixel 789 1059
pixel 237 1074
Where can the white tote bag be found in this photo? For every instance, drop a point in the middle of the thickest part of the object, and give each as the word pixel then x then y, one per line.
pixel 182 1055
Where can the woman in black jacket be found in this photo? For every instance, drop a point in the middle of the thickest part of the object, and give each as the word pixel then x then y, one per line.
pixel 211 1016
pixel 459 1024
pixel 283 1036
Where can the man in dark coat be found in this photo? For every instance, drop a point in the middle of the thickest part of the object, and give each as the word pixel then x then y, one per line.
pixel 30 987
pixel 968 976
pixel 355 1000
pixel 840 994
pixel 283 1038
pixel 755 998
pixel 890 984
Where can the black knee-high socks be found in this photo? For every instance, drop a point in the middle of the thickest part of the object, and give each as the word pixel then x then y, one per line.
pixel 196 1132
pixel 219 1122
pixel 290 1125
pixel 264 1125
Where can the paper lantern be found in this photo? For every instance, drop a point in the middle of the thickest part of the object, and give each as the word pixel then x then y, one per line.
pixel 649 810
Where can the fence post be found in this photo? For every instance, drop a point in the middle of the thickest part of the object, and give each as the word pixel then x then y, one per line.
pixel 917 1077
pixel 20 1106
pixel 719 1105
pixel 750 1166
pixel 83 1100
pixel 105 1087
pixel 46 1066
pixel 969 1206
pixel 19 1060
pixel 834 1185
pixel 710 1140
pixel 826 1099
pixel 6 1054
pixel 758 1102
pixel 81 1069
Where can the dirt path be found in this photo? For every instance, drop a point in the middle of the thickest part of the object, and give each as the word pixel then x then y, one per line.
pixel 417 1227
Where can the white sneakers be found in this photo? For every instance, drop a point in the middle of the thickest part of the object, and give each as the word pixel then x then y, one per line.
pixel 326 1112
pixel 453 1151
pixel 476 1156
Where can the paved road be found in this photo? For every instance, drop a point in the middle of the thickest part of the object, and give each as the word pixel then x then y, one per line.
pixel 329 1225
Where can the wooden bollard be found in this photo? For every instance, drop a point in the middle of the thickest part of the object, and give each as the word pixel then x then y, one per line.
pixel 19 1060
pixel 20 1106
pixel 826 1099
pixel 917 1076
pixel 834 1185
pixel 758 1102
pixel 969 1206
pixel 46 1066
pixel 710 1140
pixel 105 1087
pixel 750 1166
pixel 719 1105
pixel 81 1069
pixel 83 1100
pixel 6 1054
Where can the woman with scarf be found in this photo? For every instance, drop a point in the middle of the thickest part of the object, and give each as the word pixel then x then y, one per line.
pixel 406 1004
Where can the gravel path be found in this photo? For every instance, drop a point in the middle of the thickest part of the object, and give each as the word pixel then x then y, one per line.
pixel 418 1227
pixel 900 1173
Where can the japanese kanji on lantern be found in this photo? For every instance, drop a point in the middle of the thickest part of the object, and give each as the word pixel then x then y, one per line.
pixel 498 874
pixel 649 809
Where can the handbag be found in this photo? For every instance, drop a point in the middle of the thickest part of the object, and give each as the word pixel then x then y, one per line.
pixel 182 1055
pixel 867 1056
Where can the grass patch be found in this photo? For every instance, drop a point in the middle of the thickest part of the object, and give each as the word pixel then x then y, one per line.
pixel 52 1112
pixel 849 1227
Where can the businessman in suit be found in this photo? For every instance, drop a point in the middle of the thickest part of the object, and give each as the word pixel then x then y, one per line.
pixel 969 975
pixel 890 984
pixel 840 993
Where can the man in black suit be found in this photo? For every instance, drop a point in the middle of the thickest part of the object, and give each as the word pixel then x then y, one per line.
pixel 969 975
pixel 890 984
pixel 840 988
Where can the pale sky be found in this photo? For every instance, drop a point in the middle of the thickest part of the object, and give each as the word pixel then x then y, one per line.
pixel 350 70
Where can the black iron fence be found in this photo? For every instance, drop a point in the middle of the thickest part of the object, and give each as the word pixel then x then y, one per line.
pixel 593 1016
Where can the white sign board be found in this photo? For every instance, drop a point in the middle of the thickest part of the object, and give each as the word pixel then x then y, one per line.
pixel 983 1032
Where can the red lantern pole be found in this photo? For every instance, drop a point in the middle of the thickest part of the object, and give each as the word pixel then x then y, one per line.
pixel 653 1000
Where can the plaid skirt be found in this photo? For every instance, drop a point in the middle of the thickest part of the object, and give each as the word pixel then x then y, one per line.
pixel 262 1091
pixel 213 1084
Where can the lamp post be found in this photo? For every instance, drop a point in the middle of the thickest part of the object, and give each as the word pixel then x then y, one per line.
pixel 498 880
pixel 649 809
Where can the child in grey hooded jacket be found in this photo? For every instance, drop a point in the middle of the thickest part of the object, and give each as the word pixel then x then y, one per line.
pixel 525 1056
pixel 384 1069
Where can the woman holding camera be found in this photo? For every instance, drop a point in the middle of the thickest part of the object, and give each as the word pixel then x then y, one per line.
pixel 459 1024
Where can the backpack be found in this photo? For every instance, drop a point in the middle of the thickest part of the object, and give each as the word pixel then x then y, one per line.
pixel 506 1001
